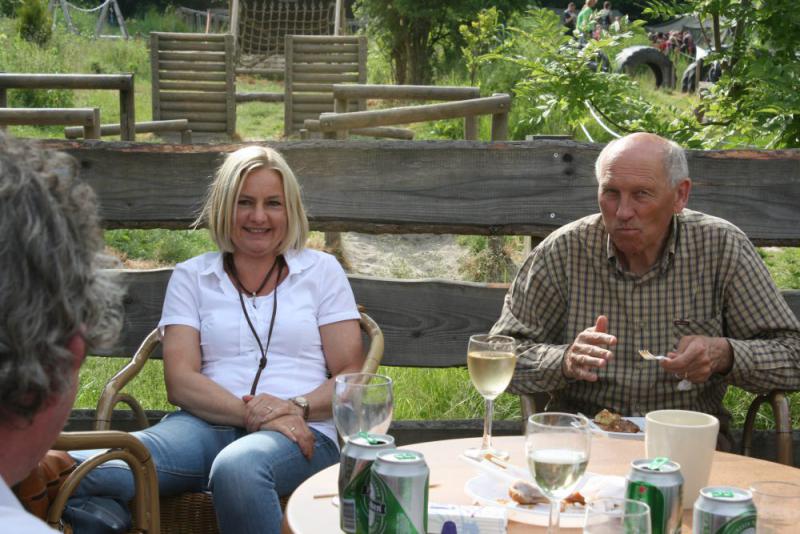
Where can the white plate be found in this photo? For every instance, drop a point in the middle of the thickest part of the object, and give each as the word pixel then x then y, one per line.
pixel 492 491
pixel 641 422
pixel 509 473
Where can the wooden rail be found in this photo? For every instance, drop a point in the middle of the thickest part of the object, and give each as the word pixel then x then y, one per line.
pixel 115 82
pixel 176 125
pixel 336 124
pixel 88 119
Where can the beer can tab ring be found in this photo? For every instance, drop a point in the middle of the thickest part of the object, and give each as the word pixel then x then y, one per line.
pixel 725 494
pixel 657 463
pixel 367 437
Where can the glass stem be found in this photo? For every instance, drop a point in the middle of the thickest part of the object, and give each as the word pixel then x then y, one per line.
pixel 487 425
pixel 555 513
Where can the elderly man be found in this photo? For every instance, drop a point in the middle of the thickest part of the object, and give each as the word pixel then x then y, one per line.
pixel 645 273
pixel 53 306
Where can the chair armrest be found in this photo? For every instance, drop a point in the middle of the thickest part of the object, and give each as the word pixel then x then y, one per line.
pixel 111 395
pixel 121 446
pixel 375 352
pixel 783 425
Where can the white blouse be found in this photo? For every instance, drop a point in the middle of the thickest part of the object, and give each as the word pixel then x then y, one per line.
pixel 316 292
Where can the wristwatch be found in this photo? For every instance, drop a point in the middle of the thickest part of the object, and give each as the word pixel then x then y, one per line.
pixel 302 402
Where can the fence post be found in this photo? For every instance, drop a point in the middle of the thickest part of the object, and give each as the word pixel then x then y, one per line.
pixel 127 113
pixel 92 131
pixel 471 128
pixel 500 124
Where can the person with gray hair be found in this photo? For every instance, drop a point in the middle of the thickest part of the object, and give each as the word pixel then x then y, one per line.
pixel 647 273
pixel 54 305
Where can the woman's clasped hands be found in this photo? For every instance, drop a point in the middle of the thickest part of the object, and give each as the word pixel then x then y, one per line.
pixel 267 412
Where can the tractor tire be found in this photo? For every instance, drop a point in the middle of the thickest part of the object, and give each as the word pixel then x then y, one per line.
pixel 660 64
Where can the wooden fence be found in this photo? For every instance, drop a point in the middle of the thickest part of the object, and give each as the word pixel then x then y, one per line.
pixel 343 94
pixel 87 119
pixel 503 188
pixel 176 125
pixel 115 82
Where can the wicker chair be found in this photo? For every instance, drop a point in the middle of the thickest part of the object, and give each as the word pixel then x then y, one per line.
pixel 121 446
pixel 193 513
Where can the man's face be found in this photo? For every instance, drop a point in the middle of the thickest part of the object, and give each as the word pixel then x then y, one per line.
pixel 637 201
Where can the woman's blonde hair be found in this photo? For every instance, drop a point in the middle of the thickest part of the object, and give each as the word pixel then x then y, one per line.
pixel 219 209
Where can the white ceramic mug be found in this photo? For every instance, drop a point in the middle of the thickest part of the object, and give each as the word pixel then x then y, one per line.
pixel 688 438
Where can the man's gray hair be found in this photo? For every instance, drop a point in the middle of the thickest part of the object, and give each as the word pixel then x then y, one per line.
pixel 676 166
pixel 50 287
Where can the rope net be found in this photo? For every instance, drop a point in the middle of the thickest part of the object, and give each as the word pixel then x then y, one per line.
pixel 264 24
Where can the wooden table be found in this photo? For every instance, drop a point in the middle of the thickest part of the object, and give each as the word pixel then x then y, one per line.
pixel 307 515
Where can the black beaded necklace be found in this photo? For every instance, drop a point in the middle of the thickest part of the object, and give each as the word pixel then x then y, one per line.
pixel 231 267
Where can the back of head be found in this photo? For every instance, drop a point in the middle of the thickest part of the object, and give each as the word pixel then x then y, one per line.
pixel 50 288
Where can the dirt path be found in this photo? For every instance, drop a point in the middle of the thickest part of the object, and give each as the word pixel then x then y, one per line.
pixel 403 256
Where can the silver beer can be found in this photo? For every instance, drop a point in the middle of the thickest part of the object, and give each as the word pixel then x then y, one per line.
pixel 355 466
pixel 659 483
pixel 724 510
pixel 398 493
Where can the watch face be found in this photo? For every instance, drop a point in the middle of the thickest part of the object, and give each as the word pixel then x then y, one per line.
pixel 301 401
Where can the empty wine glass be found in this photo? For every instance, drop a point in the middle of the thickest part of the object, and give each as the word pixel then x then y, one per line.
pixel 614 516
pixel 491 360
pixel 557 447
pixel 362 402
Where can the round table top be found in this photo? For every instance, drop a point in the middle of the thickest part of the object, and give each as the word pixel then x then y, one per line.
pixel 308 512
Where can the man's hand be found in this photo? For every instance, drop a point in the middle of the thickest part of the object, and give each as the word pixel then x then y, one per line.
pixel 296 429
pixel 589 352
pixel 698 357
pixel 263 408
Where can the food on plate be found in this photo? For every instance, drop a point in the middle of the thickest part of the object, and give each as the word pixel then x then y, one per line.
pixel 614 422
pixel 524 492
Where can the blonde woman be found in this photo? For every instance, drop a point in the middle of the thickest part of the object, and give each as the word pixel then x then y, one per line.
pixel 253 337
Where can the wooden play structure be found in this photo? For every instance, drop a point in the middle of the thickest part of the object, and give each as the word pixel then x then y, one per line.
pixel 314 64
pixel 109 8
pixel 193 78
pixel 260 27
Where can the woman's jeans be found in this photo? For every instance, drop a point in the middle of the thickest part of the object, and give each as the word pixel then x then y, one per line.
pixel 247 473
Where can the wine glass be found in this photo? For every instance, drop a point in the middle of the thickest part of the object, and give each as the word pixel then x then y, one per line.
pixel 612 516
pixel 362 402
pixel 491 360
pixel 557 447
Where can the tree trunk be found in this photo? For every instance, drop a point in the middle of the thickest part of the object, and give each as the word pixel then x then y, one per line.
pixel 419 53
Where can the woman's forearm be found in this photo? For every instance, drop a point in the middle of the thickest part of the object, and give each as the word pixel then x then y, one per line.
pixel 204 398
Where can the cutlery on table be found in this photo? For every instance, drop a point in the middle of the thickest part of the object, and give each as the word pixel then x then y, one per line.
pixel 683 385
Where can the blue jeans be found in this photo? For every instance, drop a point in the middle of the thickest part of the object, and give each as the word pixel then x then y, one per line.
pixel 246 473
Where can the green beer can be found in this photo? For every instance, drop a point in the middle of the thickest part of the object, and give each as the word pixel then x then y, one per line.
pixel 398 493
pixel 659 483
pixel 355 466
pixel 724 510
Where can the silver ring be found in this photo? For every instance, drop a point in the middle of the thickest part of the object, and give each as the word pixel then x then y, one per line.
pixel 291 429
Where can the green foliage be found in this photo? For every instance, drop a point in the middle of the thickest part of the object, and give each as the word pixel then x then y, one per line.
pixel 160 246
pixel 155 20
pixel 420 37
pixel 120 56
pixel 34 22
pixel 8 7
pixel 756 101
pixel 480 36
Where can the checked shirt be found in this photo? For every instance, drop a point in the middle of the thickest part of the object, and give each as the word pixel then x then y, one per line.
pixel 710 281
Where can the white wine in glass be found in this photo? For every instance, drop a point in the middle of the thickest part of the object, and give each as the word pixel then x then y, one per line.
pixel 491 360
pixel 557 447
